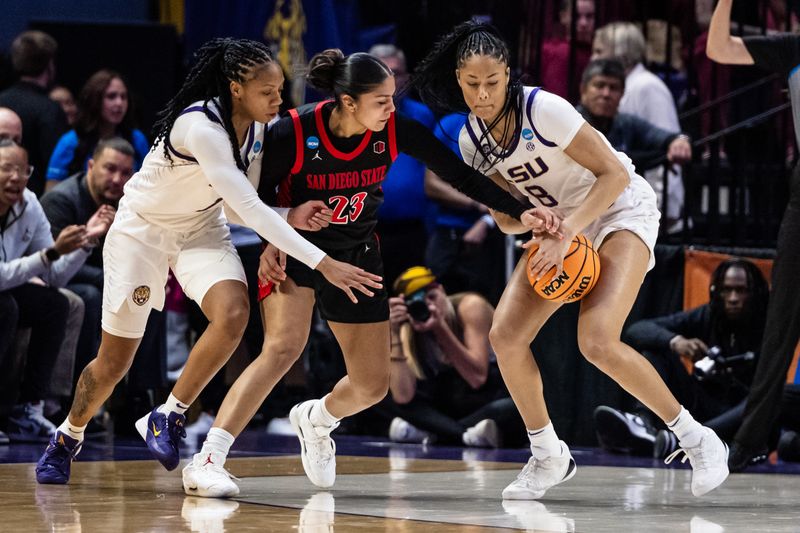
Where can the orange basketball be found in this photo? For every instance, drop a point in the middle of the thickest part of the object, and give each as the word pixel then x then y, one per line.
pixel 580 274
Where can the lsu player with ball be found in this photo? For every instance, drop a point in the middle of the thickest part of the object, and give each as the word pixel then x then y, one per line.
pixel 537 145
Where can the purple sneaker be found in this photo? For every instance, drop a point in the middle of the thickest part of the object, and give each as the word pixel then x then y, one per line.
pixel 54 465
pixel 162 434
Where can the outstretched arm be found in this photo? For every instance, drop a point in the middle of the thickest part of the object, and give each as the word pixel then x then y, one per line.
pixel 721 46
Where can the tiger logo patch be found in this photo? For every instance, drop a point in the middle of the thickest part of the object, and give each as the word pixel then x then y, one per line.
pixel 141 294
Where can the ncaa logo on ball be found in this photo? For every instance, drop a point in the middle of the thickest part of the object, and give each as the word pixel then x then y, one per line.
pixel 312 143
pixel 527 134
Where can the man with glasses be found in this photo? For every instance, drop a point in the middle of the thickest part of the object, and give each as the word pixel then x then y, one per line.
pixel 32 266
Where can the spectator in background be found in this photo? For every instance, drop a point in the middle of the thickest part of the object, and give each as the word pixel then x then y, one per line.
pixel 33 57
pixel 445 385
pixel 647 145
pixel 555 74
pixel 103 112
pixel 402 216
pixel 465 244
pixel 10 125
pixel 728 329
pixel 647 97
pixel 32 266
pixel 64 97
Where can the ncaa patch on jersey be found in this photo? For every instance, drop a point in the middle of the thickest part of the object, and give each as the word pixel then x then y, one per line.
pixel 527 134
pixel 379 147
pixel 257 147
pixel 312 143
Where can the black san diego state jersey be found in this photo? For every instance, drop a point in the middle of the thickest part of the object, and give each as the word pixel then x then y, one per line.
pixel 347 175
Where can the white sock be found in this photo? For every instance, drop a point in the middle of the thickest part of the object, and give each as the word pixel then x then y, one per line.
pixel 218 441
pixel 544 442
pixel 173 405
pixel 72 430
pixel 687 429
pixel 319 414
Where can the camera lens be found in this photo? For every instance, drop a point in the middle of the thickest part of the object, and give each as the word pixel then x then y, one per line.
pixel 417 307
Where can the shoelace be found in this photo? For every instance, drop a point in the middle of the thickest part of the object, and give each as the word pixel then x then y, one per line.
pixel 176 432
pixel 324 453
pixel 219 469
pixel 696 459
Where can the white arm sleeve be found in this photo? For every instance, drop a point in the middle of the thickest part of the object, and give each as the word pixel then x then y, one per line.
pixel 209 144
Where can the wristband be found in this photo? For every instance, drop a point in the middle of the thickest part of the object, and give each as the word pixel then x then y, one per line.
pixel 489 220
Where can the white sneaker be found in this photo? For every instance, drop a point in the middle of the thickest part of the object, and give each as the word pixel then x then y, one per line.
pixel 540 475
pixel 317 449
pixel 484 434
pixel 709 460
pixel 402 431
pixel 206 476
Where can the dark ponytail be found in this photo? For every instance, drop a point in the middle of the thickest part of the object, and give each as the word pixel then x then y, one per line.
pixel 219 62
pixel 437 86
pixel 331 72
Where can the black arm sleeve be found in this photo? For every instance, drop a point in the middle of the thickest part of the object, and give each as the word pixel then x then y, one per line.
pixel 419 142
pixel 776 53
pixel 655 333
pixel 278 159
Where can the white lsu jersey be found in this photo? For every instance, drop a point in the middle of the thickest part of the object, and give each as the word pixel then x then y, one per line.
pixel 536 164
pixel 177 194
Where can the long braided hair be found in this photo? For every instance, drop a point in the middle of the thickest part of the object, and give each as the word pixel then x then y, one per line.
pixel 219 62
pixel 438 87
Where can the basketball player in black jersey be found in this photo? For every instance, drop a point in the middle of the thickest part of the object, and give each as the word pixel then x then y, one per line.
pixel 339 152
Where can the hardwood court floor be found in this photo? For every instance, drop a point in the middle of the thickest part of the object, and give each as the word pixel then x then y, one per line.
pixel 399 492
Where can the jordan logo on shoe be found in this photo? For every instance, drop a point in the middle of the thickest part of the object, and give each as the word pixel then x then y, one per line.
pixel 208 461
pixel 155 431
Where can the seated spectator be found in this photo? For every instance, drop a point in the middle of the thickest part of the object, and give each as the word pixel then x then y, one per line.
pixel 64 97
pixel 32 266
pixel 647 97
pixel 722 338
pixel 10 125
pixel 647 145
pixel 103 112
pixel 555 69
pixel 33 57
pixel 445 386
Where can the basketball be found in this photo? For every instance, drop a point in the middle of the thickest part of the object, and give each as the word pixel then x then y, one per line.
pixel 579 276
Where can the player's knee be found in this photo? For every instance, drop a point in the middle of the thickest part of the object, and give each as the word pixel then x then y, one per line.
pixel 503 341
pixel 373 390
pixel 233 322
pixel 597 348
pixel 281 352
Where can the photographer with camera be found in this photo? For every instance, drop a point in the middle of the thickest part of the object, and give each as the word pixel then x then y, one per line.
pixel 445 385
pixel 722 338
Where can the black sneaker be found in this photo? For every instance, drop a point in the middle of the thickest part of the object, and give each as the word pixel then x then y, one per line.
pixel 622 432
pixel 741 457
pixel 789 447
pixel 666 443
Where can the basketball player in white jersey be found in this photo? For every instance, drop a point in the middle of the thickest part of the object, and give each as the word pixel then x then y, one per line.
pixel 539 146
pixel 209 141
